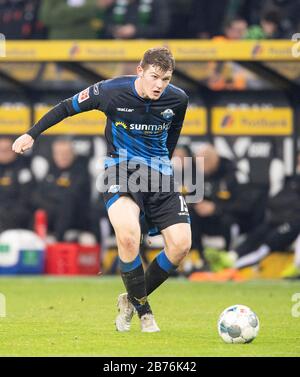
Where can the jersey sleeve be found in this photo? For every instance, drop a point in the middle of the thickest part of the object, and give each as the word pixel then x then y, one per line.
pixel 176 126
pixel 94 97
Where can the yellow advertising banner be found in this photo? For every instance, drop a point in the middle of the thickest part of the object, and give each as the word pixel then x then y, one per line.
pixel 195 122
pixel 93 122
pixel 14 119
pixel 277 121
pixel 183 50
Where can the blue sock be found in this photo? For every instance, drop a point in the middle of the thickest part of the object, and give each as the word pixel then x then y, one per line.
pixel 164 263
pixel 130 266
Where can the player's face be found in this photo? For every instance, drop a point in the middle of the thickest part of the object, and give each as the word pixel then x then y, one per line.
pixel 153 81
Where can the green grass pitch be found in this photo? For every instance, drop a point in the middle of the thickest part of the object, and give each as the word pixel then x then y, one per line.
pixel 75 316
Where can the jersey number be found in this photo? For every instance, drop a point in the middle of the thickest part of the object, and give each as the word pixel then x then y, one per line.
pixel 183 206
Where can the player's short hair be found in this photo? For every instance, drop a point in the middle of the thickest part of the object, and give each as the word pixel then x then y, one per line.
pixel 159 57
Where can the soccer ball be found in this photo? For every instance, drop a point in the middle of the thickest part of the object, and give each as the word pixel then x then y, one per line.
pixel 238 324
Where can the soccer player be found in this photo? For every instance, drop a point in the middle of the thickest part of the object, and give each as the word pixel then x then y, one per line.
pixel 145 114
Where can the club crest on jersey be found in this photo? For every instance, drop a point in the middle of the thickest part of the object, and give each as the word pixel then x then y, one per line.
pixel 84 95
pixel 114 188
pixel 168 114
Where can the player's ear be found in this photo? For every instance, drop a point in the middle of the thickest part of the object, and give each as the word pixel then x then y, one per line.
pixel 139 71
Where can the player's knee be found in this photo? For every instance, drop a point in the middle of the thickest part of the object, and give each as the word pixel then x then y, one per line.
pixel 128 242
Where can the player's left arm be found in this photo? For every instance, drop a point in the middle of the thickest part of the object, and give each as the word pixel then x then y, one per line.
pixel 88 99
pixel 176 126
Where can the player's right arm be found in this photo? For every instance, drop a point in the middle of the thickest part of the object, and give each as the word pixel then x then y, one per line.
pixel 93 97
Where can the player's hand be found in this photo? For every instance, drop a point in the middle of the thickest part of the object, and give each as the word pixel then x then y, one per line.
pixel 23 143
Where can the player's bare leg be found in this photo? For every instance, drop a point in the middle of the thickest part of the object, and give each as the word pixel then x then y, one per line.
pixel 124 217
pixel 177 239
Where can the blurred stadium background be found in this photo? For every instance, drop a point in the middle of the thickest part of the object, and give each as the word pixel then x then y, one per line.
pixel 234 59
pixel 238 60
